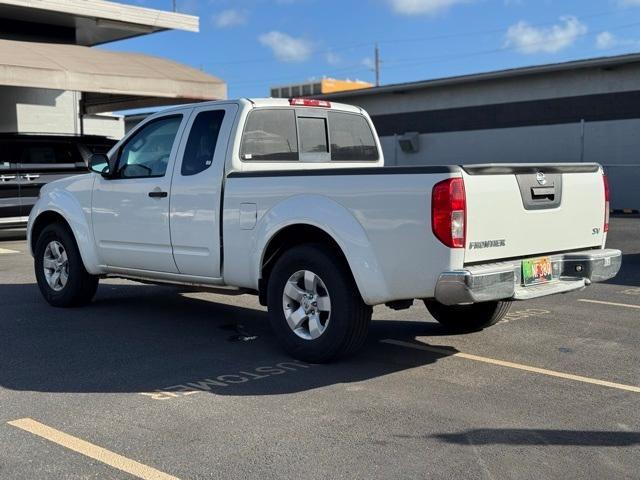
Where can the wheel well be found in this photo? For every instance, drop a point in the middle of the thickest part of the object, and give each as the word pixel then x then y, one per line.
pixel 43 220
pixel 286 238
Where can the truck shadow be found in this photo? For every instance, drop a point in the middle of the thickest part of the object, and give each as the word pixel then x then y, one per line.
pixel 146 339
pixel 629 274
pixel 527 436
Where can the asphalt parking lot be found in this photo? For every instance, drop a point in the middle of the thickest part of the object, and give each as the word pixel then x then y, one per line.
pixel 150 382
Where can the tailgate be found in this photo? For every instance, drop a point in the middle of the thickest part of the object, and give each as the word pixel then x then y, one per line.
pixel 527 210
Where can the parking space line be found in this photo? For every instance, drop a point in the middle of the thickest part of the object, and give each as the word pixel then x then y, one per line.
pixel 90 450
pixel 517 366
pixel 4 251
pixel 613 304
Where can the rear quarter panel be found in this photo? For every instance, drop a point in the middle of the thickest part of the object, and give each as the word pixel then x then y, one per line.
pixel 381 221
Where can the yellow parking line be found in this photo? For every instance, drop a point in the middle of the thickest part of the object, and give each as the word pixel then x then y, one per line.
pixel 609 303
pixel 90 450
pixel 517 366
pixel 4 251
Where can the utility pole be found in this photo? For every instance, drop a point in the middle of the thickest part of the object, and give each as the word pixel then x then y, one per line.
pixel 174 6
pixel 377 64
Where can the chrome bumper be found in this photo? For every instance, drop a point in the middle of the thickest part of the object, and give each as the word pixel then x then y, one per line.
pixel 503 281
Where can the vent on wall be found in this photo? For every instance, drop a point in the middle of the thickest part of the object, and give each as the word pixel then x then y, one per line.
pixel 409 142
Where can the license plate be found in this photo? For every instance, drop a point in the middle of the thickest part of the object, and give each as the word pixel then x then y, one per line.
pixel 537 270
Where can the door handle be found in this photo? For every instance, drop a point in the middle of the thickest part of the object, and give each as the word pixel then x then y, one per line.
pixel 6 178
pixel 158 194
pixel 30 176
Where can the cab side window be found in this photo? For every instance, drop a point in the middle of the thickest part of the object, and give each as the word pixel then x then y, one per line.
pixel 147 152
pixel 201 144
pixel 351 138
pixel 270 134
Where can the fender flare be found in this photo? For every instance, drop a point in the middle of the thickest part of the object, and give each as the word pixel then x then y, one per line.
pixel 67 206
pixel 336 221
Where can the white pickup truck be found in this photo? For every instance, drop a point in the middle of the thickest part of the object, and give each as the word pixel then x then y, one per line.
pixel 289 200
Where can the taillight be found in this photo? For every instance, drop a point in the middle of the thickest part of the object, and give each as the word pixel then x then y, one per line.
pixel 309 102
pixel 449 212
pixel 606 203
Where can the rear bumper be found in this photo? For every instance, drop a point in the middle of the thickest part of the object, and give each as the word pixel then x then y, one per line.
pixel 503 281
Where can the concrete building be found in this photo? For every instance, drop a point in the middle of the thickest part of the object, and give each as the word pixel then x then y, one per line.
pixel 52 81
pixel 317 87
pixel 581 111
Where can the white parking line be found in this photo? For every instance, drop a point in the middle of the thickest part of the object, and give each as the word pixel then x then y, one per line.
pixel 4 251
pixel 613 304
pixel 90 450
pixel 517 366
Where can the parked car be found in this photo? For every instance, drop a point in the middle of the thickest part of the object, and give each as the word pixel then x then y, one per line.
pixel 289 200
pixel 29 161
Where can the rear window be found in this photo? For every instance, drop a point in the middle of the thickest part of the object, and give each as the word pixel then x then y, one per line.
pixel 351 138
pixel 313 135
pixel 270 135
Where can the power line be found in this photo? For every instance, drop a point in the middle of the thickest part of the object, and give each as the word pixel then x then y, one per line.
pixel 339 48
pixel 410 62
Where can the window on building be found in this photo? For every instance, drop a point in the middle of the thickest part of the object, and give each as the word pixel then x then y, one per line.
pixel 351 138
pixel 270 134
pixel 201 144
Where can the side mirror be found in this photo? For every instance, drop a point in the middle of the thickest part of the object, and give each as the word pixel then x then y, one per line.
pixel 99 163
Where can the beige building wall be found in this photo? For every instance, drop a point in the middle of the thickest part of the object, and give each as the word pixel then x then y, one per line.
pixel 38 110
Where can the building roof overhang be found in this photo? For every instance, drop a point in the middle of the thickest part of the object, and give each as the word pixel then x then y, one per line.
pixel 86 22
pixel 111 80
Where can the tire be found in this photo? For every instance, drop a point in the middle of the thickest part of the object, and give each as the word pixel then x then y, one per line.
pixel 468 318
pixel 337 333
pixel 80 286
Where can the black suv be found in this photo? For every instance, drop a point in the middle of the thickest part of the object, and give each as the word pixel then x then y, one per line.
pixel 28 161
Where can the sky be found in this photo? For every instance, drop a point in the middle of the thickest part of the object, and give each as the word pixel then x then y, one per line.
pixel 254 44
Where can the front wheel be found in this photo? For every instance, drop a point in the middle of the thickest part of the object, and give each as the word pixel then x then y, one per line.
pixel 468 318
pixel 315 308
pixel 60 273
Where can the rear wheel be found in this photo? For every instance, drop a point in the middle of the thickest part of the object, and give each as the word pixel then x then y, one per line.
pixel 60 273
pixel 315 308
pixel 468 318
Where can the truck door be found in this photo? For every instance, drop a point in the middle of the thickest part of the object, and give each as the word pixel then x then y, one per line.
pixel 130 209
pixel 196 191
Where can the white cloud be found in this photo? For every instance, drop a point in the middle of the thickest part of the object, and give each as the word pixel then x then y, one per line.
pixel 629 3
pixel 368 62
pixel 333 58
pixel 423 7
pixel 605 40
pixel 529 39
pixel 285 47
pixel 230 18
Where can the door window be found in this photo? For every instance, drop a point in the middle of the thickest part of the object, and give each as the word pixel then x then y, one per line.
pixel 270 134
pixel 201 144
pixel 147 152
